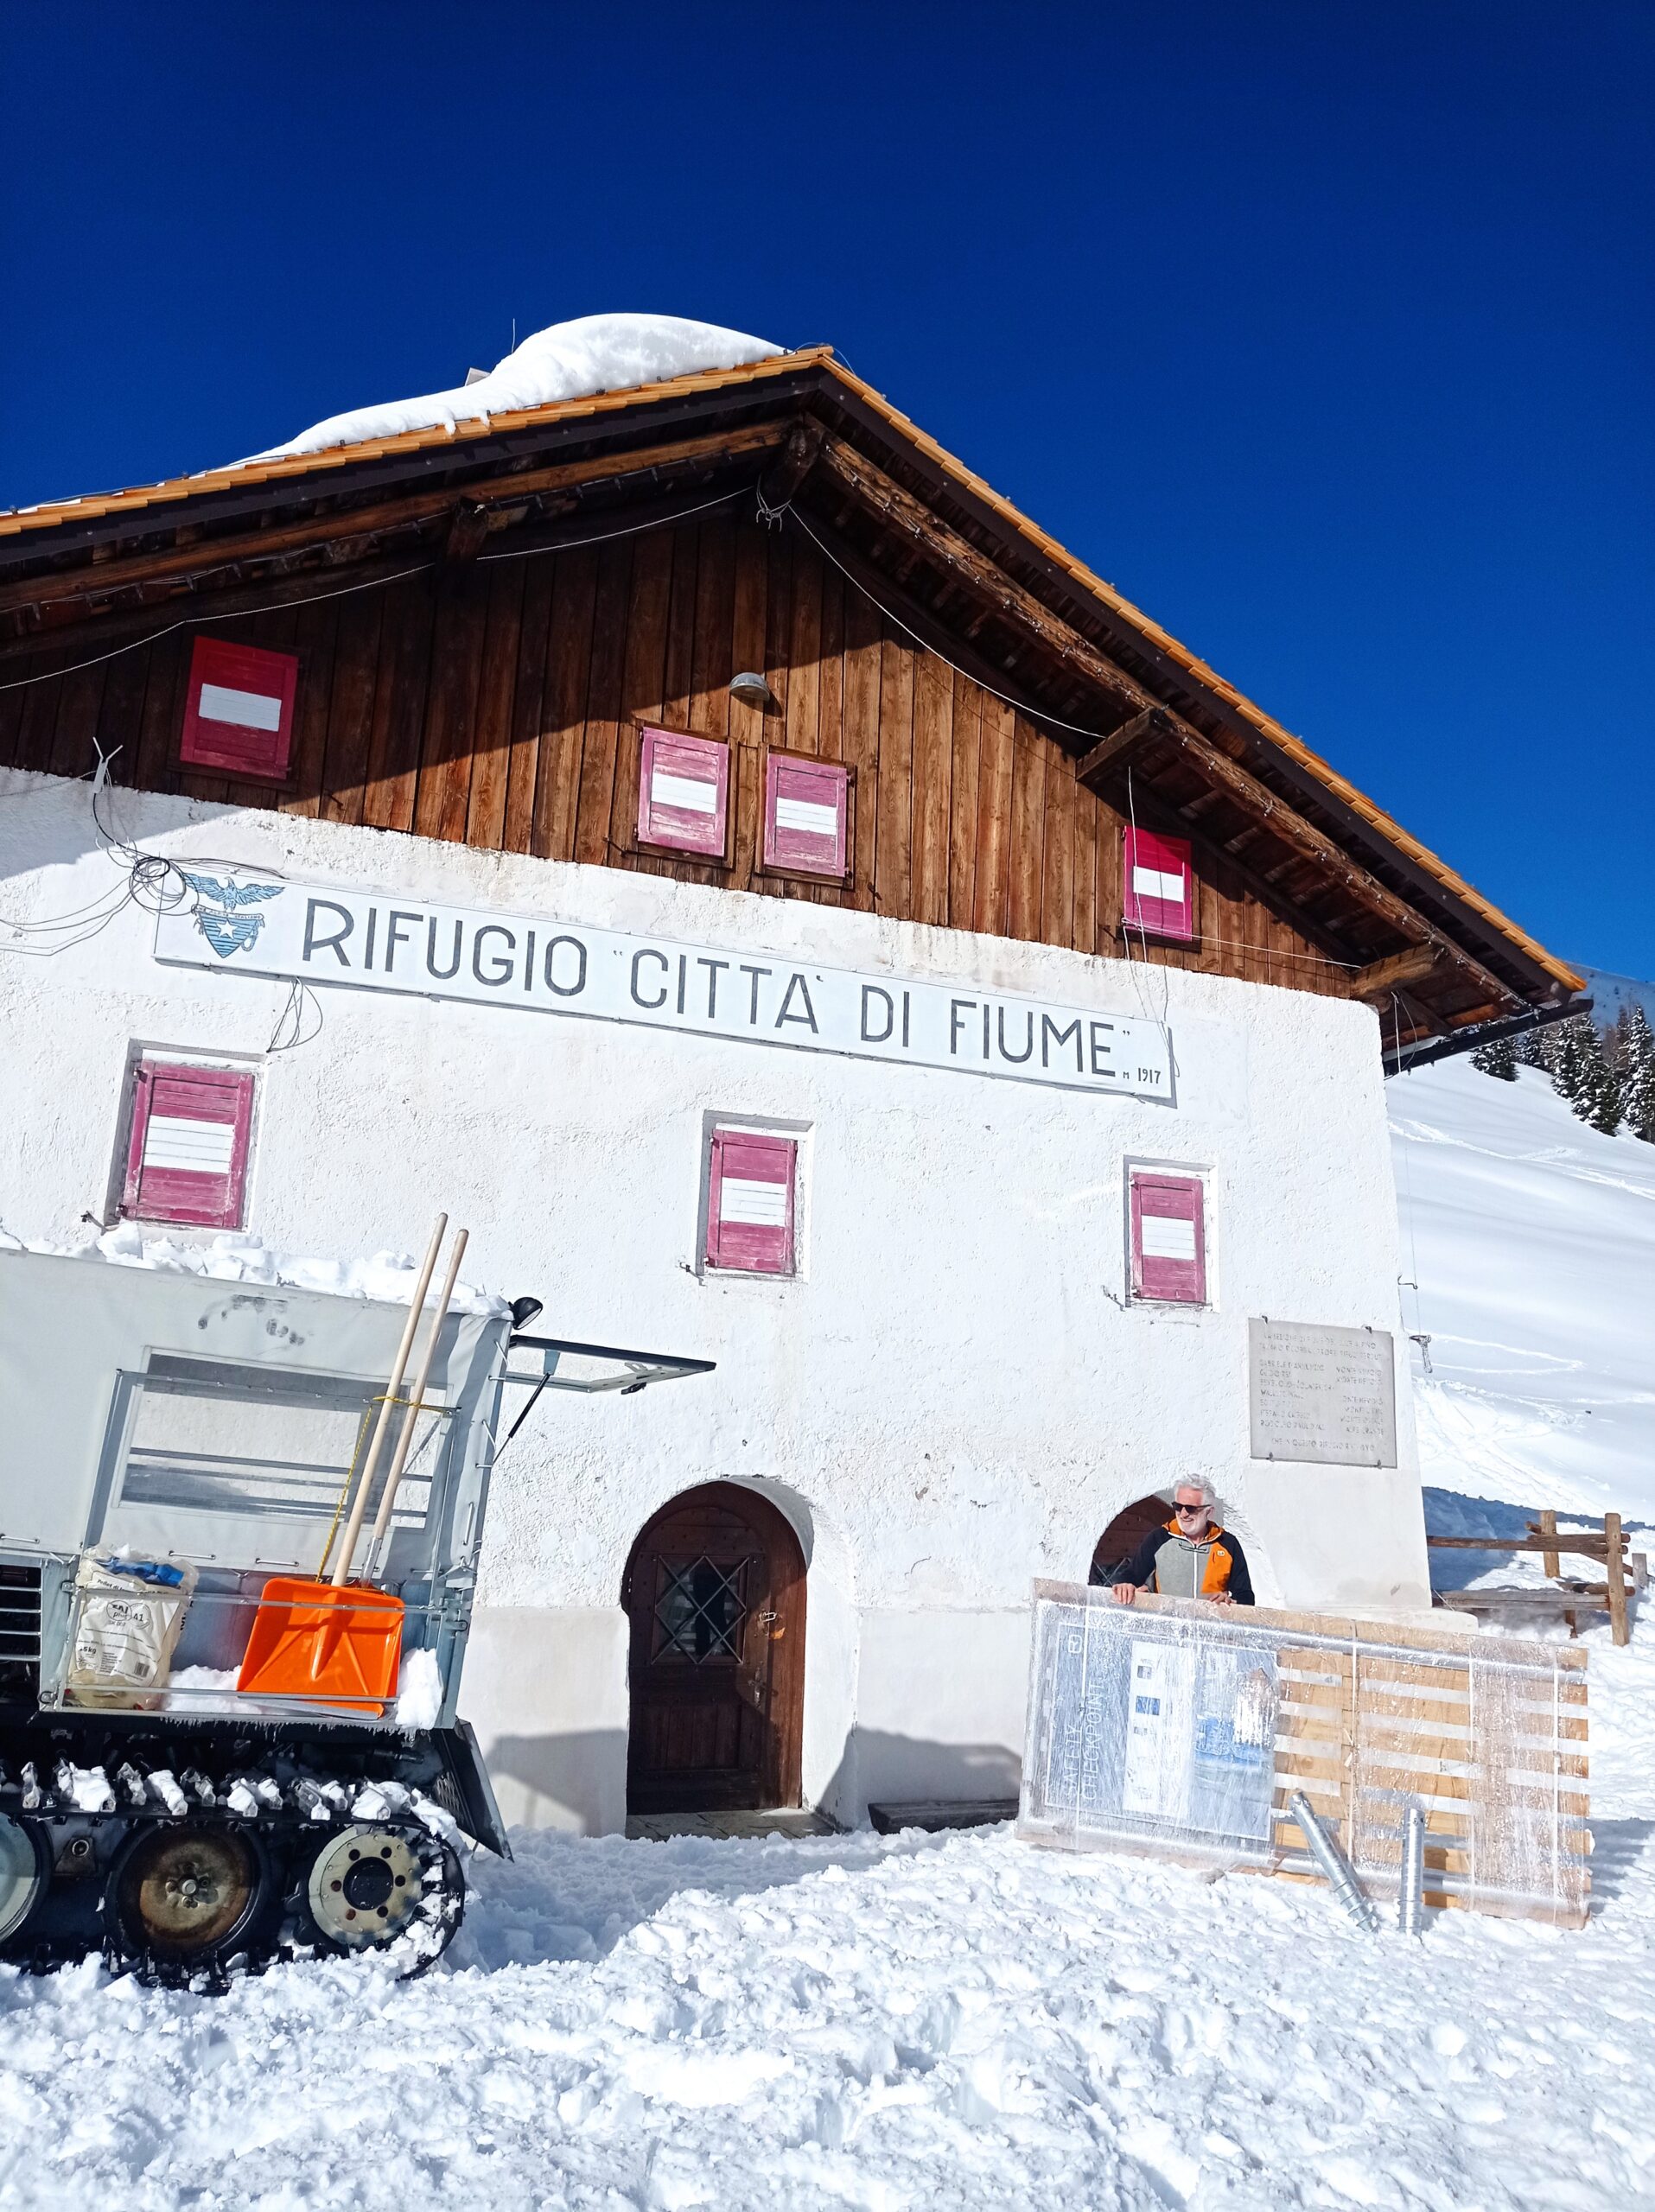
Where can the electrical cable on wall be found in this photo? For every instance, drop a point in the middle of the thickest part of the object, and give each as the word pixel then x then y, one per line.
pixel 376 584
pixel 774 516
pixel 1419 1334
pixel 198 621
pixel 146 870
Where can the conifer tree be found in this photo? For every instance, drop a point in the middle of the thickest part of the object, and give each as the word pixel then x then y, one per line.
pixel 1497 1058
pixel 1561 1057
pixel 1636 1058
pixel 1599 1102
pixel 1582 1074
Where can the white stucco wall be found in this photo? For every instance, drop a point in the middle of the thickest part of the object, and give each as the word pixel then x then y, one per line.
pixel 953 1397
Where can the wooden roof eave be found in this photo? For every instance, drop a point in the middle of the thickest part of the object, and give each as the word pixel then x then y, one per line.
pixel 495 496
pixel 907 518
pixel 1179 671
pixel 247 486
pixel 1025 555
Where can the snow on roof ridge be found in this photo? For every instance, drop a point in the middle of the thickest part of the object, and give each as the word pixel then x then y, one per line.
pixel 567 360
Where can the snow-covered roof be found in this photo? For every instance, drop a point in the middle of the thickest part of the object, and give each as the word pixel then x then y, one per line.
pixel 567 360
pixel 604 364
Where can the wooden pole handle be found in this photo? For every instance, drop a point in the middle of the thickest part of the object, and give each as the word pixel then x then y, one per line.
pixel 440 1314
pixel 359 1504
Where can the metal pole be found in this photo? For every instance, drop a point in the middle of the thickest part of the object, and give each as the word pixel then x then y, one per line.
pixel 1333 1864
pixel 1411 1897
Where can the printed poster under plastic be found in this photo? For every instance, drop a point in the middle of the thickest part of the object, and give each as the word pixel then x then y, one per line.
pixel 1143 1725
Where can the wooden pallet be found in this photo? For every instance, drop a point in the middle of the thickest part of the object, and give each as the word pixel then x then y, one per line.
pixel 1489 1734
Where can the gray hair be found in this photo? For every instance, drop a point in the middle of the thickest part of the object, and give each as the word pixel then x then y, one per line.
pixel 1209 1496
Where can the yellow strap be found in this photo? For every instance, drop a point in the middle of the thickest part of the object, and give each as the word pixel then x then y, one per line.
pixel 350 1471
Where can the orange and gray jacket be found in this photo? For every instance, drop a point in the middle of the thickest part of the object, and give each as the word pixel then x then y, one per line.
pixel 1212 1565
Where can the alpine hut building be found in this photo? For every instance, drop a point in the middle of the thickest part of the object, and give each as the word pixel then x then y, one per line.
pixel 656 803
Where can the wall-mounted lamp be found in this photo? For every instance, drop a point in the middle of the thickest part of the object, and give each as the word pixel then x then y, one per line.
pixel 750 687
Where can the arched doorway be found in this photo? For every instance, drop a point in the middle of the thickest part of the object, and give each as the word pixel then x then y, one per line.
pixel 1124 1533
pixel 715 1593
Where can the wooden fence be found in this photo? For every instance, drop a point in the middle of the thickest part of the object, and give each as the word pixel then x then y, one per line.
pixel 1489 1734
pixel 1625 1574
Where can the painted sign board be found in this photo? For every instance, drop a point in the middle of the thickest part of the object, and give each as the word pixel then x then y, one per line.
pixel 1322 1393
pixel 1142 1725
pixel 375 941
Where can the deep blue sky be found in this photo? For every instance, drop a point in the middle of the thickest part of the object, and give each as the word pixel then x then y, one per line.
pixel 1323 330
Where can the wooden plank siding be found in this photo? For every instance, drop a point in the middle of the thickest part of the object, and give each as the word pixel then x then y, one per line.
pixel 496 704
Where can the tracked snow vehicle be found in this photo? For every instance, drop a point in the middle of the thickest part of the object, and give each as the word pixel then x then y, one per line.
pixel 171 1448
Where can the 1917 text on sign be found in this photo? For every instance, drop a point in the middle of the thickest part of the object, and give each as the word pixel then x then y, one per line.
pixel 1322 1393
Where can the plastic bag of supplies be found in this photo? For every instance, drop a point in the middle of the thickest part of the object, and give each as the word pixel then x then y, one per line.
pixel 129 1614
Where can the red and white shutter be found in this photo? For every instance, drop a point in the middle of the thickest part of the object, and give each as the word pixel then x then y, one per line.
pixel 187 1158
pixel 1168 1239
pixel 1159 885
pixel 750 1202
pixel 805 813
pixel 239 710
pixel 683 792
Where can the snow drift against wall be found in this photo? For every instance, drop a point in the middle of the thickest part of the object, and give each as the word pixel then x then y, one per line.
pixel 387 1276
pixel 567 360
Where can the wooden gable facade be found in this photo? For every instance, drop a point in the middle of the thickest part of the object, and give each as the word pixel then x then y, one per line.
pixel 483 625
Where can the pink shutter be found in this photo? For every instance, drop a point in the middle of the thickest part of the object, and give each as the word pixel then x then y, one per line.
pixel 239 710
pixel 1158 884
pixel 805 815
pixel 750 1202
pixel 682 792
pixel 187 1158
pixel 1168 1239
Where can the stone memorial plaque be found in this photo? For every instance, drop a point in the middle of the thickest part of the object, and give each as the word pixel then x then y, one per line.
pixel 1322 1393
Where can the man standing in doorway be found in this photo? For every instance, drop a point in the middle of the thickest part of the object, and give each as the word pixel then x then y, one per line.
pixel 1191 1557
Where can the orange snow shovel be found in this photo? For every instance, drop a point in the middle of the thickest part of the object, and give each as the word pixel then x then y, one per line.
pixel 326 1642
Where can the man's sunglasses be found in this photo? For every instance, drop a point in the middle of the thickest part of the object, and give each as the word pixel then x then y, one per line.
pixel 1188 1512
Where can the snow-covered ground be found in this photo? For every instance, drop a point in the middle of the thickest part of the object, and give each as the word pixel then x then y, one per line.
pixel 1531 1241
pixel 963 2021
pixel 858 2021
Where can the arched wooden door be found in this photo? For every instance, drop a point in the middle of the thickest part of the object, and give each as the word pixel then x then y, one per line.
pixel 714 1591
pixel 1124 1533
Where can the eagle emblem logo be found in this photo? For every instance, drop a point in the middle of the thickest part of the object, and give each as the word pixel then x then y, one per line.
pixel 217 915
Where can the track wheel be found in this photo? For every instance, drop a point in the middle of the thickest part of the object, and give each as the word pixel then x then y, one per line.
pixel 370 1886
pixel 183 1901
pixel 25 1871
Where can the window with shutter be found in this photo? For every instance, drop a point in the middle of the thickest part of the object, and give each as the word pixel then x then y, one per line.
pixel 750 1202
pixel 239 710
pixel 806 815
pixel 683 793
pixel 1158 884
pixel 186 1156
pixel 1168 1239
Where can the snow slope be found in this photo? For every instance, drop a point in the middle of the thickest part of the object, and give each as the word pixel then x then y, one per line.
pixel 1531 1240
pixel 568 360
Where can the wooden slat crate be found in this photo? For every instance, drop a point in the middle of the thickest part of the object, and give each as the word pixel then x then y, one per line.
pixel 1489 1734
